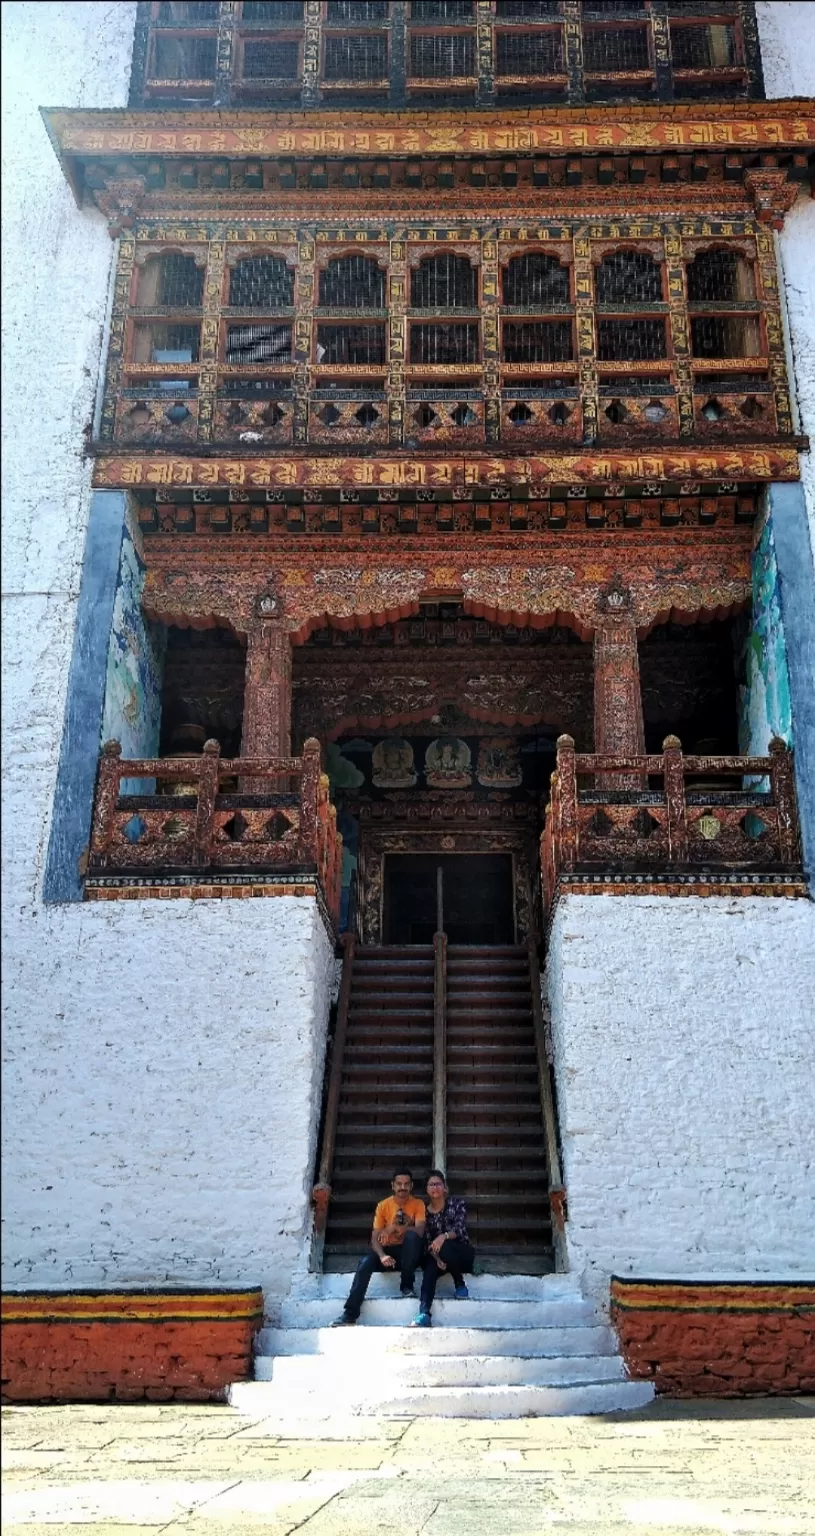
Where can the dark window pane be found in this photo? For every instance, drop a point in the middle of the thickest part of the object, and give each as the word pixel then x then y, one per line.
pixel 184 58
pixel 249 344
pixel 444 344
pixel 609 49
pixel 181 282
pixel 443 282
pixel 703 47
pixel 356 344
pixel 535 279
pixel 287 11
pixel 451 11
pixel 182 340
pixel 630 341
pixel 726 336
pixel 356 58
pixel 261 282
pixel 713 275
pixel 353 282
pixel 439 57
pixel 270 60
pixel 526 10
pixel 628 277
pixel 355 13
pixel 194 13
pixel 537 341
pixel 529 53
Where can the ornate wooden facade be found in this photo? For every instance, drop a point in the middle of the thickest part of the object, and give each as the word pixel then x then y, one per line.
pixel 376 356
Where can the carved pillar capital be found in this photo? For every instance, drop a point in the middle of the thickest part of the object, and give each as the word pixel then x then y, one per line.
pixel 772 194
pixel 120 200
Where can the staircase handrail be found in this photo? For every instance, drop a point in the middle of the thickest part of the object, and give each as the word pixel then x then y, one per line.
pixel 321 1193
pixel 440 1050
pixel 557 1192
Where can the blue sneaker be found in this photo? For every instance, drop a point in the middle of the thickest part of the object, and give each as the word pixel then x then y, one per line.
pixel 424 1320
pixel 461 1293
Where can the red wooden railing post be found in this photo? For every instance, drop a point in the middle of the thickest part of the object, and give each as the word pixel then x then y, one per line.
pixel 107 794
pixel 309 800
pixel 674 774
pixel 208 777
pixel 786 809
pixel 566 825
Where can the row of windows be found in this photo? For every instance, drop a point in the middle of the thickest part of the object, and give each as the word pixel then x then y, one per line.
pixel 365 47
pixel 453 342
pixel 446 281
pixel 360 59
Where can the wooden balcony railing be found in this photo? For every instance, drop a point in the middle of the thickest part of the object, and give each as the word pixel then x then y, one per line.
pixel 201 815
pixel 717 814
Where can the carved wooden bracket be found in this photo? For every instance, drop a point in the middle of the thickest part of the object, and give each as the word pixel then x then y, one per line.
pixel 120 200
pixel 772 194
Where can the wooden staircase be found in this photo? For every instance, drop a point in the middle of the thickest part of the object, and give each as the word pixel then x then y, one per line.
pixel 496 1148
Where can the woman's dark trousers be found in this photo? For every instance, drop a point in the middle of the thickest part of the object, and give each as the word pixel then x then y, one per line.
pixel 459 1258
pixel 407 1255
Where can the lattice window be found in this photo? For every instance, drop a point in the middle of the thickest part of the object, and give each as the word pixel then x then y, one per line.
pixel 709 47
pixel 441 57
pixel 615 50
pixel 720 276
pixel 250 344
pixel 355 13
pixel 526 10
pixel 174 13
pixel 537 341
pixel 628 277
pixel 180 281
pixel 184 58
pixel 353 282
pixel 445 281
pixel 535 279
pixel 529 53
pixel 167 343
pixel 270 59
pixel 287 11
pixel 450 11
pixel 612 7
pixel 261 282
pixel 630 341
pixel 445 343
pixel 356 58
pixel 726 336
pixel 356 344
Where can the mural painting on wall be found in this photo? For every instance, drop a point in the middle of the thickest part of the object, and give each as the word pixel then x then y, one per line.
pixel 393 766
pixel 135 665
pixel 766 710
pixel 447 763
pixel 342 773
pixel 499 764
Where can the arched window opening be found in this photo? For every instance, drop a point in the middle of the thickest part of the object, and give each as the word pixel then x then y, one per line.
pixel 628 277
pixel 445 281
pixel 720 276
pixel 172 280
pixel 261 282
pixel 535 279
pixel 352 282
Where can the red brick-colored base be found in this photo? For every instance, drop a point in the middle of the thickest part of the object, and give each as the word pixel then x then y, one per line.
pixel 706 1339
pixel 123 1346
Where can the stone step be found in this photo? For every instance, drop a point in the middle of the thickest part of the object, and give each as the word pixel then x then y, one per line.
pixel 310 1373
pixel 454 1314
pixel 481 1287
pixel 350 1344
pixel 267 1400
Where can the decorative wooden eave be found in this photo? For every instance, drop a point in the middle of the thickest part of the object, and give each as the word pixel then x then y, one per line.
pixel 762 150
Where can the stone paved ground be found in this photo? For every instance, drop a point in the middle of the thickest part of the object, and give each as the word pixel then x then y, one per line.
pixel 673 1469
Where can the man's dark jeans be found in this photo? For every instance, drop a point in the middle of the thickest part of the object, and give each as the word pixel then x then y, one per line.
pixel 459 1258
pixel 407 1255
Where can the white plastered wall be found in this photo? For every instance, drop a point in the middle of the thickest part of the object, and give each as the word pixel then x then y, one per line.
pixel 682 1031
pixel 163 1060
pixel 787 34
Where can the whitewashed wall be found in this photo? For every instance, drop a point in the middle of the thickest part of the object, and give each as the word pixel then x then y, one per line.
pixel 163 1060
pixel 682 1032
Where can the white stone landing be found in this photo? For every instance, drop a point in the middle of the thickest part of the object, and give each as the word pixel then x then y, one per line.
pixel 523 1346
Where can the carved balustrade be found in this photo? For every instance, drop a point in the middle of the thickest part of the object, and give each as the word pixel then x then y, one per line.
pixel 711 814
pixel 200 814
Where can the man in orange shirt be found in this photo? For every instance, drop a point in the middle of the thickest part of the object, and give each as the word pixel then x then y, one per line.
pixel 397 1241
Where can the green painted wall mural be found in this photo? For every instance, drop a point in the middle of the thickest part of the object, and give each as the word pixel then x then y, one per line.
pixel 765 710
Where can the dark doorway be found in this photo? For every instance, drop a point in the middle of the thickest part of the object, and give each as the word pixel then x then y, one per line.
pixel 477 899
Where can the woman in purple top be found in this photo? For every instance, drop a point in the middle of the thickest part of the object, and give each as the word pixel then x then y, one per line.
pixel 448 1245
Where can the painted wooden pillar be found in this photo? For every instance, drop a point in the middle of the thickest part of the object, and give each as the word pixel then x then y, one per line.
pixel 618 722
pixel 267 693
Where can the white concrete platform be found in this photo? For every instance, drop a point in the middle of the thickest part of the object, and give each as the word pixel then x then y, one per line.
pixel 523 1345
